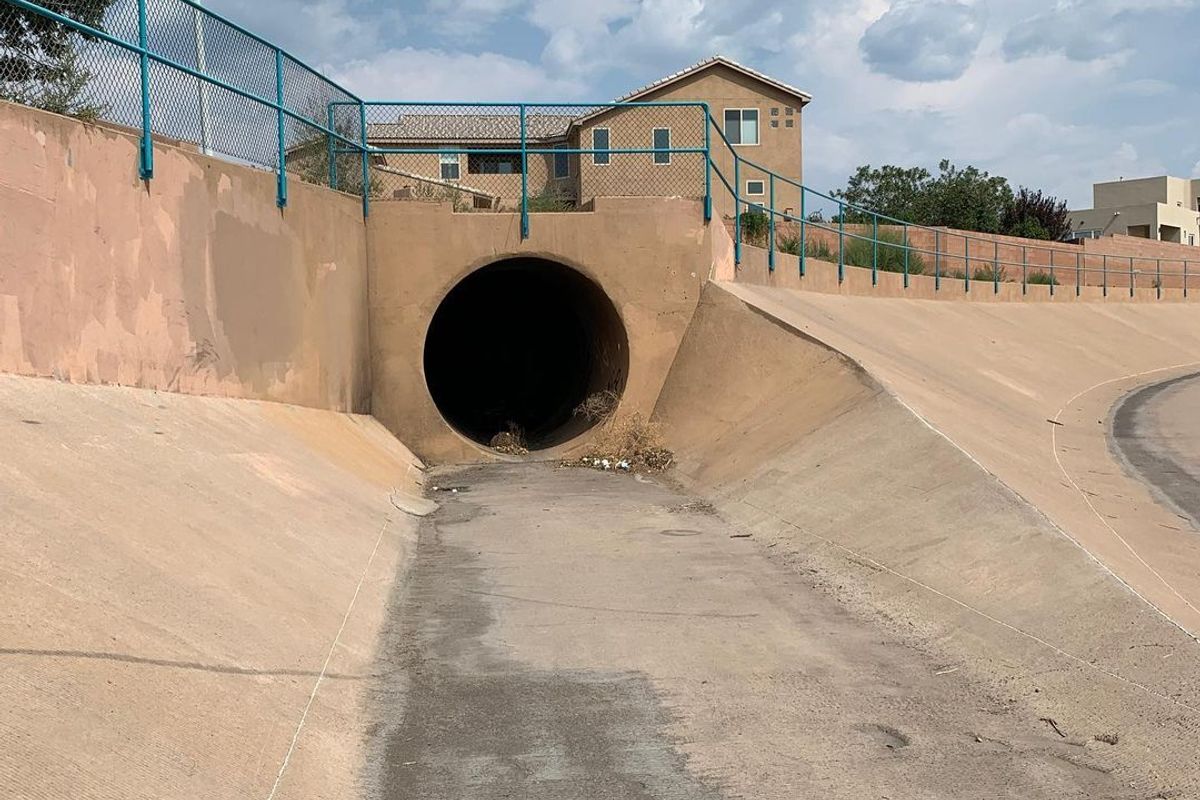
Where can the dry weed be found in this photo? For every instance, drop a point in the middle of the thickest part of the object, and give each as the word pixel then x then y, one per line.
pixel 625 443
pixel 511 442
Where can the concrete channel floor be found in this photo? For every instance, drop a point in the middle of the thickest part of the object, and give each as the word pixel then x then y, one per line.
pixel 566 633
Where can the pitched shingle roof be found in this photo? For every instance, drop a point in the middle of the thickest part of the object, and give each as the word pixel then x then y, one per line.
pixel 805 97
pixel 466 127
pixel 540 124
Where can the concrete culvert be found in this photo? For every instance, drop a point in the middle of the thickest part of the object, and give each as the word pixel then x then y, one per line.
pixel 518 345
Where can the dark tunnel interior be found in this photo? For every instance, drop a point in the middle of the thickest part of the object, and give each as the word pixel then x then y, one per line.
pixel 519 345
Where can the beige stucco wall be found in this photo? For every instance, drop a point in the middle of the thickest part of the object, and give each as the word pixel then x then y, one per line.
pixel 507 188
pixel 779 149
pixel 650 255
pixel 1153 216
pixel 194 281
pixel 1114 194
pixel 1145 206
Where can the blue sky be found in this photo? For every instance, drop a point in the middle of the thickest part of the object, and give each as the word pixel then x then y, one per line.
pixel 1051 94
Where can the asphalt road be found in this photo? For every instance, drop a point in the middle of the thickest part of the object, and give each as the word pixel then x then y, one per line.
pixel 571 634
pixel 1156 429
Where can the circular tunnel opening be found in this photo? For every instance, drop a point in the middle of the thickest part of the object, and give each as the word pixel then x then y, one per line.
pixel 518 346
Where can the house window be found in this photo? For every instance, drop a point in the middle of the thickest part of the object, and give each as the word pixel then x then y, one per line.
pixel 741 125
pixel 755 188
pixel 662 141
pixel 1192 239
pixel 600 138
pixel 448 163
pixel 562 164
pixel 488 164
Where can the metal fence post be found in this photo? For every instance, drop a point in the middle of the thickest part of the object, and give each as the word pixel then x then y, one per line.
pixel 803 233
pixel 1053 279
pixel 737 209
pixel 281 167
pixel 1025 268
pixel 1132 279
pixel 1104 270
pixel 1185 266
pixel 995 266
pixel 937 260
pixel 841 242
pixel 1158 278
pixel 874 249
pixel 906 255
pixel 366 163
pixel 707 164
pixel 524 176
pixel 966 264
pixel 1078 273
pixel 146 150
pixel 332 145
pixel 771 225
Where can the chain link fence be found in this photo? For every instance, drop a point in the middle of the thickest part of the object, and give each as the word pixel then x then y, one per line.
pixel 487 157
pixel 208 82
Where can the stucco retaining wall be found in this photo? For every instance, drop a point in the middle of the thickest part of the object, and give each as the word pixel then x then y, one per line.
pixel 193 281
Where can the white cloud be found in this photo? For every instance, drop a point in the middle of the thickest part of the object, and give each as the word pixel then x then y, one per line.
pixel 446 76
pixel 924 40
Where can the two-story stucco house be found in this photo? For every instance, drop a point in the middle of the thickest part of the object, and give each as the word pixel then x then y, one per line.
pixel 1163 208
pixel 759 116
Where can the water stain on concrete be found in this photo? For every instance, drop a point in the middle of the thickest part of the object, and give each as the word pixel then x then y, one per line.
pixel 457 719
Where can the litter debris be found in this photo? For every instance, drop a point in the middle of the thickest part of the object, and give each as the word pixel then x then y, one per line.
pixel 1053 725
pixel 622 443
pixel 510 442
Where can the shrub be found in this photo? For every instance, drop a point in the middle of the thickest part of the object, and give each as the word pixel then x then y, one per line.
pixel 820 251
pixel 754 227
pixel 990 273
pixel 550 201
pixel 1042 278
pixel 861 253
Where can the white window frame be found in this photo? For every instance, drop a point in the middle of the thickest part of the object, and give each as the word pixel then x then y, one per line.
pixel 741 122
pixel 447 159
pixel 762 187
pixel 655 156
pixel 606 151
pixel 554 163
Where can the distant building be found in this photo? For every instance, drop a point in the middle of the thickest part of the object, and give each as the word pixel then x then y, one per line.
pixel 1163 208
pixel 759 116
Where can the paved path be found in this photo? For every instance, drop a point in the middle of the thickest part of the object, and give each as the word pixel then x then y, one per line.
pixel 573 634
pixel 1157 430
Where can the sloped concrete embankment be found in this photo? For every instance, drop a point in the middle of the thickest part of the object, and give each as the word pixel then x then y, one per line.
pixel 799 445
pixel 192 591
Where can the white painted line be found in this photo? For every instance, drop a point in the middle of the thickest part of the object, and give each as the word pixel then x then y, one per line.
pixel 1088 500
pixel 328 657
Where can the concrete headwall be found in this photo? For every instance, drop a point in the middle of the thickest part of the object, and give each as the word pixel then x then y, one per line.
pixel 650 255
pixel 193 281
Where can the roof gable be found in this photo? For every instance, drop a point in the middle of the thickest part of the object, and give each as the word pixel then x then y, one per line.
pixel 708 64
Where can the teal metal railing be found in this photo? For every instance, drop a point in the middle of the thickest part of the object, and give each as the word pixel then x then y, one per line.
pixel 174 69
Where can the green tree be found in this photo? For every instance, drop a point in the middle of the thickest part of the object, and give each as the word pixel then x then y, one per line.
pixel 1036 215
pixel 889 190
pixel 968 199
pixel 39 58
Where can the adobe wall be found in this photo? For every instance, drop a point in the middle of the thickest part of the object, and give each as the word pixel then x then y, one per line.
pixel 651 257
pixel 193 282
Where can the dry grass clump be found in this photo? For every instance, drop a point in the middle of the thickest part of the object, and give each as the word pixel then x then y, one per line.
pixel 599 406
pixel 623 443
pixel 510 442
